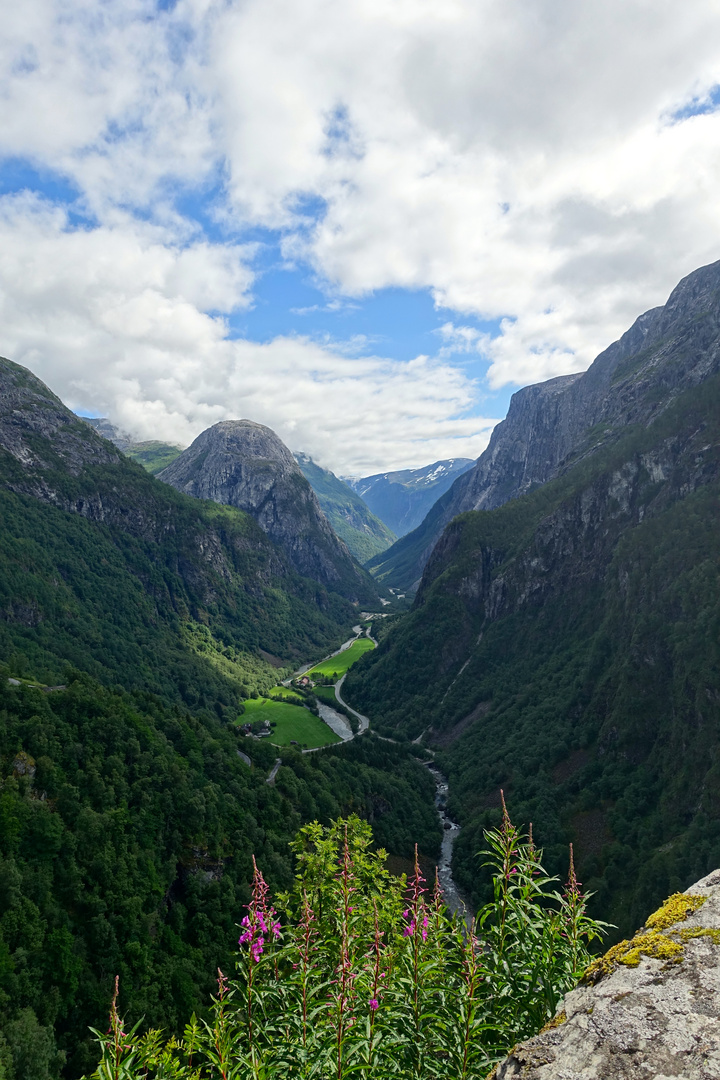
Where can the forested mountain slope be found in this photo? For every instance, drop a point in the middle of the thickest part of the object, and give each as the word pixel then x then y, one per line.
pixel 111 570
pixel 566 646
pixel 127 816
pixel 243 464
pixel 552 424
pixel 352 520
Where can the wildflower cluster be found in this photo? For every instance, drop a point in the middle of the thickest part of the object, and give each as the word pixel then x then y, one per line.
pixel 261 918
pixel 372 977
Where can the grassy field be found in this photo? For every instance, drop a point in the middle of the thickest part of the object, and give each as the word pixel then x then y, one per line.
pixel 285 693
pixel 326 694
pixel 338 665
pixel 292 722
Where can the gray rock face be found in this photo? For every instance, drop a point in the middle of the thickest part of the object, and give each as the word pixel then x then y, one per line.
pixel 551 425
pixel 29 411
pixel 244 464
pixel 658 1019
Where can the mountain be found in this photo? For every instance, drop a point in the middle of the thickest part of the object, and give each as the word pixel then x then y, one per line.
pixel 364 534
pixel 552 424
pixel 111 570
pixel 109 431
pixel 565 646
pixel 244 464
pixel 134 621
pixel 153 455
pixel 402 499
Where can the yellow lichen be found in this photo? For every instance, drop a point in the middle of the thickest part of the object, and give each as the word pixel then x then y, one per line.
pixel 675 909
pixel 557 1020
pixel 654 944
pixel 689 932
pixel 651 941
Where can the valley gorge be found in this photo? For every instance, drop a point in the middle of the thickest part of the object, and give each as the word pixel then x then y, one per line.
pixel 563 646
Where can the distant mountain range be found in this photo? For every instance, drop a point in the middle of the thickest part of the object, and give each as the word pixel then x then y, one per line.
pixel 152 455
pixel 402 498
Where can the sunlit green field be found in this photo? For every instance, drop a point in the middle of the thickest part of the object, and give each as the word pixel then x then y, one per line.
pixel 338 665
pixel 286 693
pixel 293 722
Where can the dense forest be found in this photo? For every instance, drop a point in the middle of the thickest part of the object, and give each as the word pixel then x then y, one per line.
pixel 127 829
pixel 134 623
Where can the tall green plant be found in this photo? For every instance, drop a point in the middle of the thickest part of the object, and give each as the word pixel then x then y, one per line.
pixel 363 974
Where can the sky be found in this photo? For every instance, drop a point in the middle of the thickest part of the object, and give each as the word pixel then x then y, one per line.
pixel 362 223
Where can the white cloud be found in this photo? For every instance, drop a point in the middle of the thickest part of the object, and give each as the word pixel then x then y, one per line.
pixel 111 320
pixel 519 160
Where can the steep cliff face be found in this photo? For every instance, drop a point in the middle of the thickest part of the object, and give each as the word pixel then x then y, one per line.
pixel 552 425
pixel 566 647
pixel 243 464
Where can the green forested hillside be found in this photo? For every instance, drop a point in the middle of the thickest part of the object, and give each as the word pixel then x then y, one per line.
pixel 351 519
pixel 153 456
pixel 163 614
pixel 566 647
pixel 127 816
pixel 126 834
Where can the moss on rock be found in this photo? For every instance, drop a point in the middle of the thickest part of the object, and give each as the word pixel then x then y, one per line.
pixel 651 941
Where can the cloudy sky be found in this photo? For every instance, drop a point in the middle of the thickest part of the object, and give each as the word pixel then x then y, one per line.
pixel 364 223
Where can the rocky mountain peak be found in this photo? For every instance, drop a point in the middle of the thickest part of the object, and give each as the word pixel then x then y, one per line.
pixel 244 464
pixel 551 425
pixel 40 433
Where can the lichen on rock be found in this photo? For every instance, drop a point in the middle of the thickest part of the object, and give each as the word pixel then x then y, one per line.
pixel 650 1006
pixel 650 940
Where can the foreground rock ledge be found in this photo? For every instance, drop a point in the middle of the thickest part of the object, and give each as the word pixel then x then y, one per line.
pixel 657 1020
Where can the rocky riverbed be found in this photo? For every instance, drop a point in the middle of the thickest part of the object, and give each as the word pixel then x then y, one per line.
pixel 451 831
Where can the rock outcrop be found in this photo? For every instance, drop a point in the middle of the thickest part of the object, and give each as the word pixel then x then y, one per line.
pixel 41 433
pixel 653 1011
pixel 244 464
pixel 551 425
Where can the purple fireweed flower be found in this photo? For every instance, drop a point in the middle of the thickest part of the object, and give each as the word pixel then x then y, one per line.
pixel 260 919
pixel 374 1004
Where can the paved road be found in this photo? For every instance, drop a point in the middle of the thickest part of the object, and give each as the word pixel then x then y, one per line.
pixel 273 772
pixel 363 721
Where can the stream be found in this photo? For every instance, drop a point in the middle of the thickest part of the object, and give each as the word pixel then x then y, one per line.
pixel 451 894
pixel 454 900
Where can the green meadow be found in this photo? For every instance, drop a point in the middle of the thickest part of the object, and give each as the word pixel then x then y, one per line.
pixel 338 665
pixel 325 694
pixel 285 693
pixel 292 722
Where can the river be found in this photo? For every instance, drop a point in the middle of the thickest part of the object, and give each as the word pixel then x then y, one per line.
pixel 451 894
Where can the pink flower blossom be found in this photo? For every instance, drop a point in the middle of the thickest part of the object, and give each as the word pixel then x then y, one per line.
pixel 374 1004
